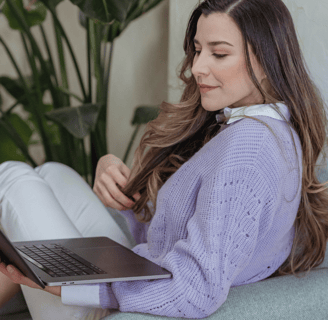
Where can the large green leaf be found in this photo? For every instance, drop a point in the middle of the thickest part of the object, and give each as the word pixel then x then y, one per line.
pixel 144 114
pixel 116 27
pixel 51 3
pixel 35 16
pixel 1 101
pixel 79 121
pixel 14 87
pixel 106 10
pixel 8 149
pixel 21 127
pixel 51 129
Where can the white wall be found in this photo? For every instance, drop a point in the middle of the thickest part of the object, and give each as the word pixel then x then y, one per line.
pixel 180 11
pixel 139 67
pixel 310 18
pixel 139 75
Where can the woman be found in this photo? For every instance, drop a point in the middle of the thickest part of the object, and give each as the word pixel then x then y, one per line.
pixel 226 194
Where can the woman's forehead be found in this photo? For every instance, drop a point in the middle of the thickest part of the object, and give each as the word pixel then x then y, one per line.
pixel 218 27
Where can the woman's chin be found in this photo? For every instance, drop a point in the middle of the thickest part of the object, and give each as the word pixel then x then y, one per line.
pixel 212 107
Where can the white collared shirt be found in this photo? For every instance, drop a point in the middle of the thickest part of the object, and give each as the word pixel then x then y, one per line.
pixel 235 114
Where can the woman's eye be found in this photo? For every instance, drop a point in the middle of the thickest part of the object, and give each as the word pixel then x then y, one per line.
pixel 219 56
pixel 197 52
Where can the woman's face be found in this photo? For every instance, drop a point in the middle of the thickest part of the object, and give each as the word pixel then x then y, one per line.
pixel 219 62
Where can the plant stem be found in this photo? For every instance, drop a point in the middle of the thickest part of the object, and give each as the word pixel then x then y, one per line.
pixel 85 162
pixel 39 103
pixel 12 107
pixel 36 77
pixel 35 49
pixel 66 139
pixel 107 73
pixel 62 64
pixel 68 93
pixel 49 54
pixel 131 143
pixel 29 96
pixel 63 33
pixel 89 59
pixel 101 132
pixel 26 50
pixel 22 79
pixel 17 140
pixel 96 47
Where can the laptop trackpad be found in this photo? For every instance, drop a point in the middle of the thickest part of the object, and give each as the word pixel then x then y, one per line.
pixel 117 261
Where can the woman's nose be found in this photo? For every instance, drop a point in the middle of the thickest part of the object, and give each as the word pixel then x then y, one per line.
pixel 200 66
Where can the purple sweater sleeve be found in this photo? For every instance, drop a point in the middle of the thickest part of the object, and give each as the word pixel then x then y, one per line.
pixel 137 229
pixel 221 238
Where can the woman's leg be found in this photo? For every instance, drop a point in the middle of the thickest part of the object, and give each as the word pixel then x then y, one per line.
pixel 8 289
pixel 80 203
pixel 29 209
pixel 32 210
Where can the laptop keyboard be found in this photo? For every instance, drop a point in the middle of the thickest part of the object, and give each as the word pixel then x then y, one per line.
pixel 58 261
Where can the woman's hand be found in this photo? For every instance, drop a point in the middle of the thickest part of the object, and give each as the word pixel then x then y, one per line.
pixel 110 172
pixel 17 277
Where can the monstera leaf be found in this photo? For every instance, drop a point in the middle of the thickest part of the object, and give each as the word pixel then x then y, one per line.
pixel 106 10
pixel 79 121
pixel 16 89
pixel 15 136
pixel 35 16
pixel 144 114
pixel 120 13
pixel 13 86
pixel 51 3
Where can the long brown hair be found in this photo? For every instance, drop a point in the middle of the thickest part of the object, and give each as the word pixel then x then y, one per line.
pixel 182 129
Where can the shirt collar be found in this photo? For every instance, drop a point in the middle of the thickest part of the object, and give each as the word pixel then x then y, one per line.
pixel 255 110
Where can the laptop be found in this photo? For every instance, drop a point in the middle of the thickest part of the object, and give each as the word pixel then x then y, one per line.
pixel 77 261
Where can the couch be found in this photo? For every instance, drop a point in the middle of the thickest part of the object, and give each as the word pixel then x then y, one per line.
pixel 284 297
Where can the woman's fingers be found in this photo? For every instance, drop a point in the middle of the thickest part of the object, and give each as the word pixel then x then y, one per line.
pixel 114 192
pixel 3 268
pixel 137 196
pixel 125 170
pixel 107 199
pixel 111 177
pixel 16 276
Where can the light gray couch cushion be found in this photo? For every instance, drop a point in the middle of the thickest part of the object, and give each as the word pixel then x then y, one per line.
pixel 285 297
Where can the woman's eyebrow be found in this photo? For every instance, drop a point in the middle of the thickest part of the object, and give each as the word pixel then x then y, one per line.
pixel 214 43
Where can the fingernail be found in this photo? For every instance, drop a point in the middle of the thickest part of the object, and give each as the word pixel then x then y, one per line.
pixel 137 196
pixel 10 269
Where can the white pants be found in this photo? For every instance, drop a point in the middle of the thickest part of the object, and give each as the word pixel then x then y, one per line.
pixel 52 201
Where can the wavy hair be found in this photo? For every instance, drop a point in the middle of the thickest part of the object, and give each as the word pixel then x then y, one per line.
pixel 182 129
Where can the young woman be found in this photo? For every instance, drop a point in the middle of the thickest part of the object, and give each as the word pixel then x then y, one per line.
pixel 227 192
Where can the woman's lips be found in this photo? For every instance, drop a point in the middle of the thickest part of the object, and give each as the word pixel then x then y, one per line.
pixel 205 88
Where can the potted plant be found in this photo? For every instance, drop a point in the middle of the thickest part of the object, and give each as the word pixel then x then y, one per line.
pixel 61 127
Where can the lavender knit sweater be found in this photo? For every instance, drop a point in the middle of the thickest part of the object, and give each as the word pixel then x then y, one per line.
pixel 224 219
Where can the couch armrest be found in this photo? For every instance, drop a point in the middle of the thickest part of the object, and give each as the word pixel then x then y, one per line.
pixel 284 297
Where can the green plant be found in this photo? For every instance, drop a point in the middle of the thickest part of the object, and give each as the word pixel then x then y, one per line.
pixel 62 128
